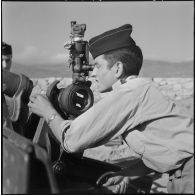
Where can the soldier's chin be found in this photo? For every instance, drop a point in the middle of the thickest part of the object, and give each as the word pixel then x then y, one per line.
pixel 104 90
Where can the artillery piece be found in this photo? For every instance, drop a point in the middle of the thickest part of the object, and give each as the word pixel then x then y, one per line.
pixel 33 160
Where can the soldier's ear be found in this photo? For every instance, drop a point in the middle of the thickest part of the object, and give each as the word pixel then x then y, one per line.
pixel 119 69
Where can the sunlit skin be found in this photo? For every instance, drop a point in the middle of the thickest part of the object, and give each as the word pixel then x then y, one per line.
pixel 6 62
pixel 104 76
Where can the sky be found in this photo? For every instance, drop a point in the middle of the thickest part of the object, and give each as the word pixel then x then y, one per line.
pixel 37 31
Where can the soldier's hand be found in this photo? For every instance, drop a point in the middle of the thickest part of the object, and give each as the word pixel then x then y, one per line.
pixel 117 184
pixel 64 83
pixel 40 105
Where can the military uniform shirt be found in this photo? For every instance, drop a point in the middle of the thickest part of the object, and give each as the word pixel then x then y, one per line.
pixel 150 123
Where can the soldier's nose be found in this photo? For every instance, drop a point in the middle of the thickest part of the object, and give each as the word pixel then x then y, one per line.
pixel 94 72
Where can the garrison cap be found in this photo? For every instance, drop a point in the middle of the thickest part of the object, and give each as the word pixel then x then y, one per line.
pixel 6 49
pixel 111 40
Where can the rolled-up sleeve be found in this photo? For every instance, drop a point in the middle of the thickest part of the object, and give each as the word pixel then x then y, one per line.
pixel 64 126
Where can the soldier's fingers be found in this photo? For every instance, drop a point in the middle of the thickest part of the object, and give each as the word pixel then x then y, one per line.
pixel 113 180
pixel 30 105
pixel 123 187
pixel 43 93
pixel 109 182
pixel 41 96
pixel 117 189
pixel 117 179
pixel 33 98
pixel 126 183
pixel 113 189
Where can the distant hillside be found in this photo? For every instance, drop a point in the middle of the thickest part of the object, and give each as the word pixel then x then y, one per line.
pixel 150 68
pixel 42 71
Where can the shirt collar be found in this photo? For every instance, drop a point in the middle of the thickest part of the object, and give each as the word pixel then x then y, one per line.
pixel 118 83
pixel 132 82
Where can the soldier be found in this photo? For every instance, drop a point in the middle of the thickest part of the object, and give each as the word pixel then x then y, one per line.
pixel 6 56
pixel 10 104
pixel 6 61
pixel 151 124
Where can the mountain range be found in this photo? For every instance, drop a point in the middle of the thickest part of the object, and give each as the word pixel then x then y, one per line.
pixel 150 68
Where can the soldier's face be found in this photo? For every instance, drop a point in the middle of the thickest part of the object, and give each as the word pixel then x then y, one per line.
pixel 6 62
pixel 104 76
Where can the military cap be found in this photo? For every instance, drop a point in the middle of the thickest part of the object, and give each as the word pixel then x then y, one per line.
pixel 111 40
pixel 6 49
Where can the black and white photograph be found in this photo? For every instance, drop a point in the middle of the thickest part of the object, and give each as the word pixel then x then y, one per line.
pixel 97 97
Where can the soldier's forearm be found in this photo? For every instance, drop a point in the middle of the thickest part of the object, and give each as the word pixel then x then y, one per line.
pixel 57 124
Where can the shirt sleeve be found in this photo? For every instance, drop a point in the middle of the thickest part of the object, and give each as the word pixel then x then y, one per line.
pixel 107 119
pixel 63 128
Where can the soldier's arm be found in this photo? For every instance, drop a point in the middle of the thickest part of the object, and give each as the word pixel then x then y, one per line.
pixel 57 124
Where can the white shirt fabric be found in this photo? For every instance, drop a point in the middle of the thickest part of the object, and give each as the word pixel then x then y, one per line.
pixel 150 123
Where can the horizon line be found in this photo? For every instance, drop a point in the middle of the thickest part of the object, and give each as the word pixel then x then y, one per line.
pixel 146 59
